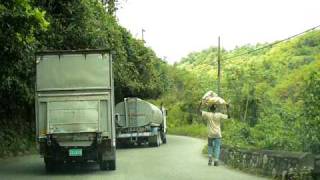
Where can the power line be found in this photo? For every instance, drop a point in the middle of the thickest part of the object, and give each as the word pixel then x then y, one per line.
pixel 272 44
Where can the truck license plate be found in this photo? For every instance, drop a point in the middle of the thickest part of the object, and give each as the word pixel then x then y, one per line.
pixel 75 152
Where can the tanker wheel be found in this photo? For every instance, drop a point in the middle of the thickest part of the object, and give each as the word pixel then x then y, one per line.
pixel 158 140
pixel 154 141
pixel 164 138
pixel 151 142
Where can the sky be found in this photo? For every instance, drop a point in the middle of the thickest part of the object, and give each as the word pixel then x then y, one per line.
pixel 175 28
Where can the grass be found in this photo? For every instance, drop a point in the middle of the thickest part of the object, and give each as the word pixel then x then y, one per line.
pixel 194 130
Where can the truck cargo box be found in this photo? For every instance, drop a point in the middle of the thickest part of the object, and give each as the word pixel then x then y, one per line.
pixel 75 107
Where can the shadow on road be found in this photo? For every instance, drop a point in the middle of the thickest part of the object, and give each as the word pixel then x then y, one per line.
pixel 133 146
pixel 70 169
pixel 37 168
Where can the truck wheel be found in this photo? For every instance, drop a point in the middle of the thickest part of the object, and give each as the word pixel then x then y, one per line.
pixel 112 165
pixel 164 138
pixel 152 141
pixel 50 165
pixel 158 140
pixel 104 165
pixel 151 144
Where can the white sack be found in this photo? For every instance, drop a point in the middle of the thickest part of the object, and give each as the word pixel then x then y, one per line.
pixel 211 98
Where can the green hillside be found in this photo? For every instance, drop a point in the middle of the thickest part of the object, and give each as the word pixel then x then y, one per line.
pixel 273 93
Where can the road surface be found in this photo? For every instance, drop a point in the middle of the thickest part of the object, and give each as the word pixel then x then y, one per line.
pixel 179 159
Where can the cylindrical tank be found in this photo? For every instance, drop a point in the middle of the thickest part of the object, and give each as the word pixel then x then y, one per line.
pixel 135 112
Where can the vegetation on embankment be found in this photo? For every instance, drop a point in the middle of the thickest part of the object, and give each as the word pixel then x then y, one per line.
pixel 274 94
pixel 27 26
pixel 194 130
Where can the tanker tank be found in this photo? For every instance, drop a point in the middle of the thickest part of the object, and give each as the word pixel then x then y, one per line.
pixel 139 121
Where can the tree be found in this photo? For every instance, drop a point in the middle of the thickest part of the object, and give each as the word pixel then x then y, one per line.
pixel 20 23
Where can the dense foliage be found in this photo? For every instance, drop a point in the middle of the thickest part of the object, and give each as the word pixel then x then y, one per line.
pixel 27 26
pixel 82 24
pixel 274 93
pixel 20 22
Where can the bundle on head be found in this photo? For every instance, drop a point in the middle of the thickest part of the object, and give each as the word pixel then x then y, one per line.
pixel 211 98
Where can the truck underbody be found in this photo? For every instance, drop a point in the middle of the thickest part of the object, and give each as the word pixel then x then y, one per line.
pixel 153 135
pixel 62 149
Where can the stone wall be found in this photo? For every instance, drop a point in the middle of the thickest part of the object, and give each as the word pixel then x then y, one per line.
pixel 277 164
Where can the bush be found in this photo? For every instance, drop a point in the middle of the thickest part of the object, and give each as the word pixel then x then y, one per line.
pixel 194 130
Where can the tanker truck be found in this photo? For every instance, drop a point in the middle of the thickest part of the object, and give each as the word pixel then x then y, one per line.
pixel 138 121
pixel 74 104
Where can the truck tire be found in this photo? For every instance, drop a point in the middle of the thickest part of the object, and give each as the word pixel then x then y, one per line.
pixel 152 141
pixel 103 165
pixel 164 138
pixel 158 139
pixel 155 141
pixel 50 165
pixel 112 165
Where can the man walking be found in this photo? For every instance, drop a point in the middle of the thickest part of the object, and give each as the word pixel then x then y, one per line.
pixel 214 118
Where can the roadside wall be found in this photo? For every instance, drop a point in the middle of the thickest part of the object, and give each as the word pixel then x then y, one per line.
pixel 277 164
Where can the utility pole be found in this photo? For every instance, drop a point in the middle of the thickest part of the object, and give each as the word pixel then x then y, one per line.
pixel 142 34
pixel 219 68
pixel 165 58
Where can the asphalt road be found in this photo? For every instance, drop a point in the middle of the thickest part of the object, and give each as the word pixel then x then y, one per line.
pixel 179 159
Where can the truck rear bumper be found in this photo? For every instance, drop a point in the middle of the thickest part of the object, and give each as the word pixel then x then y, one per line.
pixel 135 134
pixel 93 152
pixel 61 154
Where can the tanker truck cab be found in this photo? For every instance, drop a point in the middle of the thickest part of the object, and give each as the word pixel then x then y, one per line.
pixel 138 121
pixel 74 108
